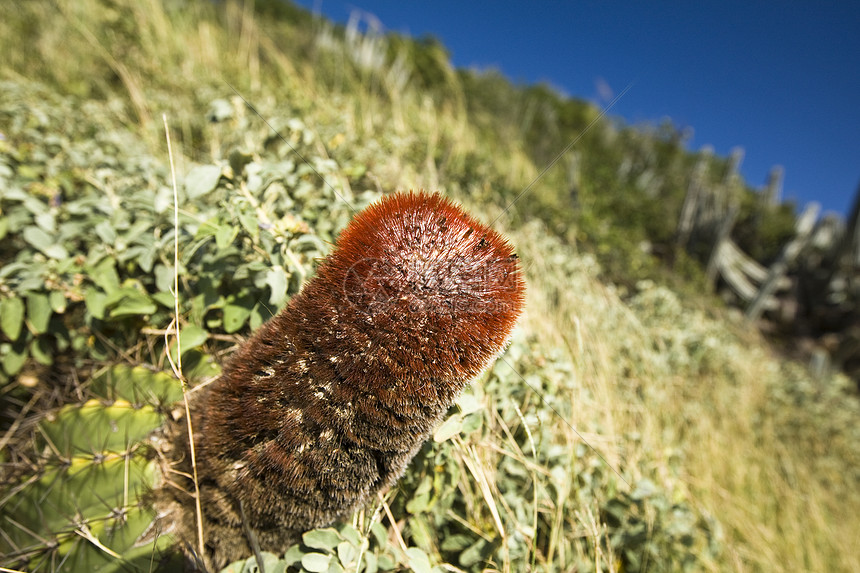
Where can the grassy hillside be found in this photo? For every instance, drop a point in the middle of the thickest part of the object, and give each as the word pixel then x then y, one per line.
pixel 633 425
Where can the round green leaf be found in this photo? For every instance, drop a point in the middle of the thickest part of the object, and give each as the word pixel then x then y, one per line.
pixel 418 560
pixel 316 562
pixel 11 316
pixel 14 357
pixel 40 350
pixel 165 299
pixel 276 278
pixel 456 542
pixel 58 301
pixel 39 311
pixel 236 312
pixel 96 302
pixel 202 180
pixel 164 278
pixel 349 533
pixel 370 563
pixel 449 428
pixel 326 539
pixel 133 302
pixel 104 275
pixel 346 552
pixel 192 337
pixel 468 403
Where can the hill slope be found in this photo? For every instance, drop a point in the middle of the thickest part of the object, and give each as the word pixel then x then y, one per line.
pixel 626 428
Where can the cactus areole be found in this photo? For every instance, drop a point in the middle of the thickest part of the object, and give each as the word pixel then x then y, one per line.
pixel 326 403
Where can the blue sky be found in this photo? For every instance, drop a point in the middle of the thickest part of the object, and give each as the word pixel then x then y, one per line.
pixel 780 79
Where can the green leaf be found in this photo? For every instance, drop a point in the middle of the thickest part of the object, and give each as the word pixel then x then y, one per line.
pixel 132 302
pixel 40 350
pixel 44 242
pixel 346 552
pixel 46 221
pixel 106 232
pixel 208 229
pixel 11 316
pixel 104 275
pixel 165 299
pixel 199 366
pixel 349 533
pixel 449 428
pixel 235 567
pixel 385 562
pixel 14 357
pixel 225 235
pixel 27 171
pixel 250 224
pixel 147 258
pixel 164 278
pixel 472 422
pixel 380 534
pixel 190 337
pixel 473 554
pixel 316 562
pixel 259 315
pixel 456 542
pixel 4 227
pixel 163 199
pixel 236 312
pixel 468 403
pixel 271 563
pixel 39 311
pixel 370 563
pixel 326 539
pixel 58 301
pixel 293 556
pixel 276 278
pixel 202 180
pixel 419 503
pixel 418 560
pixel 96 302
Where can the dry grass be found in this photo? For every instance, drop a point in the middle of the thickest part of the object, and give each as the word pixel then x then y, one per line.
pixel 738 463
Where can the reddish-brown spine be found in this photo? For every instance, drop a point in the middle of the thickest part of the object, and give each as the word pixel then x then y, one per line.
pixel 326 404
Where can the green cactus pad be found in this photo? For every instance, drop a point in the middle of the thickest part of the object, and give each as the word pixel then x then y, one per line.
pixel 81 510
pixel 137 384
pixel 94 429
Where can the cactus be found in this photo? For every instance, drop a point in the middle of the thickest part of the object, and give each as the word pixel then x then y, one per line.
pixel 317 414
pixel 82 509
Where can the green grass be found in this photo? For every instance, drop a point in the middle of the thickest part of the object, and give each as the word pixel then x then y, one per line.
pixel 627 428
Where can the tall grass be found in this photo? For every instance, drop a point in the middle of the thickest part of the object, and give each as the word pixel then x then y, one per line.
pixel 752 439
pixel 661 389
